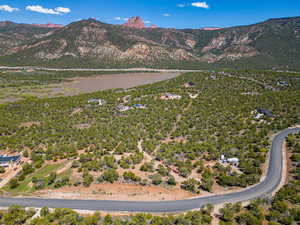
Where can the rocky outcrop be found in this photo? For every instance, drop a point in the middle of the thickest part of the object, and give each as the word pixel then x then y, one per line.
pixel 135 22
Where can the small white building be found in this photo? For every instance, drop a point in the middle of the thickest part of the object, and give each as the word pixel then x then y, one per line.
pixel 223 158
pixel 193 96
pixel 234 161
pixel 169 96
pixel 123 108
pixel 99 102
pixel 282 83
pixel 258 116
pixel 139 106
pixel 189 84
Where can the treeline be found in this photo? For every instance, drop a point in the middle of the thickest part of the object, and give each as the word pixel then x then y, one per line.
pixel 17 215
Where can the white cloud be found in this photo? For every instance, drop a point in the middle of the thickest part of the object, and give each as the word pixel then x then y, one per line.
pixel 8 8
pixel 62 10
pixel 117 18
pixel 147 21
pixel 41 9
pixel 195 4
pixel 200 5
pixel 166 14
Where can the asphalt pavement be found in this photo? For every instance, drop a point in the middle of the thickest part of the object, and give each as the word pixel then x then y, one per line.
pixel 263 189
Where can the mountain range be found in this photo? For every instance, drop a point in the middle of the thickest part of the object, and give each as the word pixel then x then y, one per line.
pixel 274 43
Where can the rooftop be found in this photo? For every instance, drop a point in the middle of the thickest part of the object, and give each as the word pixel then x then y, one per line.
pixel 5 159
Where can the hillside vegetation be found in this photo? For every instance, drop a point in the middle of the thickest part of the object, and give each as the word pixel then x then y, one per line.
pixel 166 143
pixel 283 208
pixel 274 43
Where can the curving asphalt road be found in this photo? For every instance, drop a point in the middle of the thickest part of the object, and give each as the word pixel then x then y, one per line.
pixel 265 188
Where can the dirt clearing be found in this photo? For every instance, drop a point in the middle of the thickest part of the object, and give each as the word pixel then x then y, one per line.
pixel 118 191
pixel 80 85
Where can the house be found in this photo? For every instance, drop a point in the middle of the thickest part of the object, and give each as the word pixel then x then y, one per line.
pixel 258 116
pixel 99 102
pixel 282 83
pixel 169 96
pixel 265 112
pixel 123 108
pixel 223 158
pixel 270 87
pixel 193 96
pixel 233 161
pixel 139 106
pixel 6 161
pixel 189 84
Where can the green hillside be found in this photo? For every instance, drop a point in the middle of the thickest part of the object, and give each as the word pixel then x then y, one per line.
pixel 274 43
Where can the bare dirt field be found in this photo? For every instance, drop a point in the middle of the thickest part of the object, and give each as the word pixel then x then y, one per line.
pixel 118 191
pixel 80 85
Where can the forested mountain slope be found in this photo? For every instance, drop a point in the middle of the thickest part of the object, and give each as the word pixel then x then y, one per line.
pixel 90 43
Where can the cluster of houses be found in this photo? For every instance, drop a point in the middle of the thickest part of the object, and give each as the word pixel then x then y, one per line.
pixel 123 108
pixel 166 96
pixel 120 107
pixel 7 161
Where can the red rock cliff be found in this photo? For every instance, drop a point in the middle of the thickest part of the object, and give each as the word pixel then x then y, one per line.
pixel 135 22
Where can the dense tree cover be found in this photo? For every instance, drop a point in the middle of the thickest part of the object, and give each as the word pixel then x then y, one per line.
pixel 218 122
pixel 17 215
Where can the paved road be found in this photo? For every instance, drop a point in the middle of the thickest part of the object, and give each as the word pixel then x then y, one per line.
pixel 109 70
pixel 264 188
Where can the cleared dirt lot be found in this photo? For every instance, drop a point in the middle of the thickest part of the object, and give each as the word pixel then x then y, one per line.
pixel 118 191
pixel 80 85
pixel 84 84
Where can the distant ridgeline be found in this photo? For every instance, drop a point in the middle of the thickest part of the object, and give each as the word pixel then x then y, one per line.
pixel 273 44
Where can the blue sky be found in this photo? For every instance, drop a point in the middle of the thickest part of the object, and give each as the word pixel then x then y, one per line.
pixel 164 13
